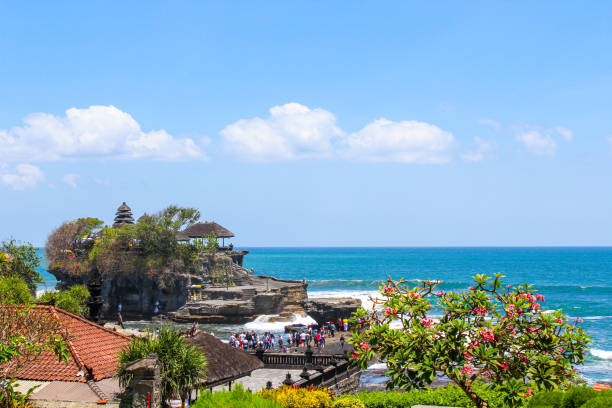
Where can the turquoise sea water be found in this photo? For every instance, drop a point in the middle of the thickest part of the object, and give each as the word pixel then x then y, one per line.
pixel 577 280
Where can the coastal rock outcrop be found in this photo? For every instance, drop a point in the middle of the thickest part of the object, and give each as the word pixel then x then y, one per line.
pixel 255 296
pixel 331 309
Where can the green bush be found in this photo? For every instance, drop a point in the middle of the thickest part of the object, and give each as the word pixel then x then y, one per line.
pixel 552 399
pixel 14 291
pixel 348 402
pixel 236 398
pixel 73 300
pixel 450 396
pixel 577 396
pixel 603 401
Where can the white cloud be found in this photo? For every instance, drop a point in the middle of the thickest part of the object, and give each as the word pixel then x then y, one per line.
pixel 567 134
pixel 542 141
pixel 95 132
pixel 71 180
pixel 495 125
pixel 408 141
pixel 294 131
pixel 483 149
pixel 537 142
pixel 24 176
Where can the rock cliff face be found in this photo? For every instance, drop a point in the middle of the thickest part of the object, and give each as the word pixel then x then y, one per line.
pixel 331 309
pixel 218 291
pixel 240 304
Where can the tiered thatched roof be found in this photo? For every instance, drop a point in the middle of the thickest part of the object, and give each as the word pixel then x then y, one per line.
pixel 123 216
pixel 224 362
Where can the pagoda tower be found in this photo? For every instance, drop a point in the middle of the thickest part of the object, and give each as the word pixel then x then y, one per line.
pixel 123 216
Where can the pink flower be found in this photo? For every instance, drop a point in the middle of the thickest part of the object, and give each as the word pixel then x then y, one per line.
pixel 471 288
pixel 535 306
pixel 528 393
pixel 524 359
pixel 467 369
pixel 540 297
pixel 414 295
pixel 387 290
pixel 427 322
pixel 467 355
pixel 439 293
pixel 365 346
pixel 355 355
pixel 389 311
pixel 487 335
pixel 480 311
pixel 505 366
pixel 559 320
pixel 560 349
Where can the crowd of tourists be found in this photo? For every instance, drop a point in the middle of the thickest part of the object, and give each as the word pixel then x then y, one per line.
pixel 311 335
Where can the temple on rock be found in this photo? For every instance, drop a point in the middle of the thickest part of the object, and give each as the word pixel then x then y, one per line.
pixel 123 216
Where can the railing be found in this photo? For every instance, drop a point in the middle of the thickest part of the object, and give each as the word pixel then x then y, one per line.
pixel 289 360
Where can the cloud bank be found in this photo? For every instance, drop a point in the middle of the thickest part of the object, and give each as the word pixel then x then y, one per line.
pixel 294 131
pixel 101 132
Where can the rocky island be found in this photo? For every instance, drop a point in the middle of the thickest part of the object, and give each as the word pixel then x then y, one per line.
pixel 171 264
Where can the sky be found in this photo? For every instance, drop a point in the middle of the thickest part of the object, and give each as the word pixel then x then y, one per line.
pixel 312 123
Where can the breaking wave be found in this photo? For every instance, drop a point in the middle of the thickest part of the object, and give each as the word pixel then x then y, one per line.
pixel 601 354
pixel 269 322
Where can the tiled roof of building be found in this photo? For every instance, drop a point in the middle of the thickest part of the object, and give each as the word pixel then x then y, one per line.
pixel 93 351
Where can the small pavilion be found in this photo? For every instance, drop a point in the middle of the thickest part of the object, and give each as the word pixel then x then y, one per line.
pixel 204 229
pixel 123 216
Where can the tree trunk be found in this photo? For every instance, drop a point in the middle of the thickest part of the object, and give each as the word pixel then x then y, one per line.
pixel 467 388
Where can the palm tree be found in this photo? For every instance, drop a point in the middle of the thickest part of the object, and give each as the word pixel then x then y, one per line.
pixel 183 366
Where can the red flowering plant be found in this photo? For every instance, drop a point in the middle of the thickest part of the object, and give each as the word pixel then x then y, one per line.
pixel 493 334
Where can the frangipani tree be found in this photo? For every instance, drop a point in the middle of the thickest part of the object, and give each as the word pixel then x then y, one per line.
pixel 491 334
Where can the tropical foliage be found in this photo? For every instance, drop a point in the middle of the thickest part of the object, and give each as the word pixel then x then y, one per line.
pixel 149 246
pixel 73 300
pixel 492 334
pixel 183 366
pixel 20 261
pixel 14 291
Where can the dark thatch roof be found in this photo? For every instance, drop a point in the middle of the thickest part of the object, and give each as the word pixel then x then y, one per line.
pixel 224 362
pixel 181 236
pixel 204 229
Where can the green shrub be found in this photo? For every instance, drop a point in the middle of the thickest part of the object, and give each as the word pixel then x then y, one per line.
pixel 73 300
pixel 14 291
pixel 546 398
pixel 236 398
pixel 290 397
pixel 348 402
pixel 577 396
pixel 603 401
pixel 450 396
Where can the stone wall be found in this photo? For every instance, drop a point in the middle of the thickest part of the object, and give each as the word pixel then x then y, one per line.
pixel 347 385
pixel 145 383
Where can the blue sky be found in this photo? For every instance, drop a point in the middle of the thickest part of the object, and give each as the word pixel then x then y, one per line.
pixel 312 123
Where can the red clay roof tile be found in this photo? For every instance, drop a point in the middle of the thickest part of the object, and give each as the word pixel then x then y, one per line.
pixel 93 351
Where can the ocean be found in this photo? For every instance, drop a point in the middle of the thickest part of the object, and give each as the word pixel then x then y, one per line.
pixel 576 280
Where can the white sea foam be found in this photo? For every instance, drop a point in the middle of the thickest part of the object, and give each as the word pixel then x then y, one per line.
pixel 377 366
pixel 603 354
pixel 363 295
pixel 268 323
pixel 41 292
